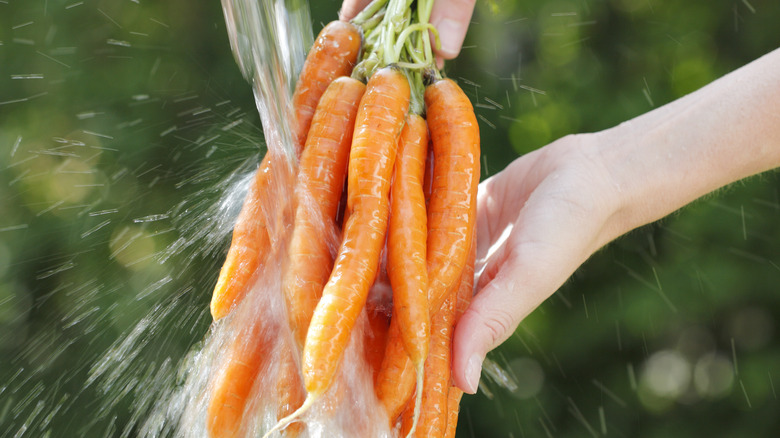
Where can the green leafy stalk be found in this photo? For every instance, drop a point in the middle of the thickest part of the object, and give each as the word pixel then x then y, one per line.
pixel 369 12
pixel 424 8
pixel 404 36
pixel 398 32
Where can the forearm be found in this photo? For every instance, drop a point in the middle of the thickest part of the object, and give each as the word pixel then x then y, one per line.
pixel 667 158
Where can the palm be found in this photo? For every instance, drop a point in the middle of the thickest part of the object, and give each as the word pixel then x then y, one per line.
pixel 540 205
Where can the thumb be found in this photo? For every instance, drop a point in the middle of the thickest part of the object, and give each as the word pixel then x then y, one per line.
pixel 451 18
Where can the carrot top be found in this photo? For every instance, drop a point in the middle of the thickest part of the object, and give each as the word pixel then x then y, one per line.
pixel 395 33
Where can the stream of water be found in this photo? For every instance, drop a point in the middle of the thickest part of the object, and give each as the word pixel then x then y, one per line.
pixel 269 39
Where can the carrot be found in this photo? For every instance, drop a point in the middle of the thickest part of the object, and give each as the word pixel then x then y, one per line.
pixel 440 401
pixel 247 249
pixel 321 174
pixel 289 387
pixel 333 54
pixel 380 119
pixel 433 410
pixel 238 374
pixel 395 381
pixel 451 218
pixel 406 239
pixel 465 291
pixel 375 337
pixel 452 208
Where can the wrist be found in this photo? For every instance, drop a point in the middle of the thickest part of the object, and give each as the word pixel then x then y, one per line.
pixel 667 158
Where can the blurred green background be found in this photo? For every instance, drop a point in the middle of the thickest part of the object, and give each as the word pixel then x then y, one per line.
pixel 124 124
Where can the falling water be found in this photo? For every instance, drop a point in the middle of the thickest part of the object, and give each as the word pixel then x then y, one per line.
pixel 269 39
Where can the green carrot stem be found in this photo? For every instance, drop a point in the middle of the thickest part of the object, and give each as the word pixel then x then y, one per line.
pixel 412 66
pixel 424 8
pixel 373 21
pixel 423 27
pixel 396 11
pixel 415 52
pixel 368 12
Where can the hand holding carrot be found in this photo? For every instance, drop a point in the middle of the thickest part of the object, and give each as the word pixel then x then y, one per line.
pixel 543 216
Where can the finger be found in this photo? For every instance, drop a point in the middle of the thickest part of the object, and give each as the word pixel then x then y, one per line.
pixel 350 8
pixel 492 316
pixel 439 62
pixel 451 18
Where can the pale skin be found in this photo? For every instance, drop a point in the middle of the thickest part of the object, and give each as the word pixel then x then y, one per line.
pixel 550 210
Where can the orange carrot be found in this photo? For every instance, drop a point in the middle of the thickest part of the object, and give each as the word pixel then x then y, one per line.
pixel 322 170
pixel 451 217
pixel 237 376
pixel 247 249
pixel 379 122
pixel 452 208
pixel 406 239
pixel 433 411
pixel 465 291
pixel 380 119
pixel 321 174
pixel 289 387
pixel 395 381
pixel 332 55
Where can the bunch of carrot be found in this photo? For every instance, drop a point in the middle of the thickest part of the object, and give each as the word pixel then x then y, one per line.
pixel 373 114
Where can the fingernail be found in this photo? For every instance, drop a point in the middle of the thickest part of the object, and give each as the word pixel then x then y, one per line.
pixel 450 35
pixel 473 370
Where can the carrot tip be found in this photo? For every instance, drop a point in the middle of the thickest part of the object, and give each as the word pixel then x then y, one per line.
pixel 417 400
pixel 288 420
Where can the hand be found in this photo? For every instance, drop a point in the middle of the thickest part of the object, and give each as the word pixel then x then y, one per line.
pixel 450 17
pixel 537 220
pixel 543 216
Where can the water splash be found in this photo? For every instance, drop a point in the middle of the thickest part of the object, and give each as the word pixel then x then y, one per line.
pixel 269 39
